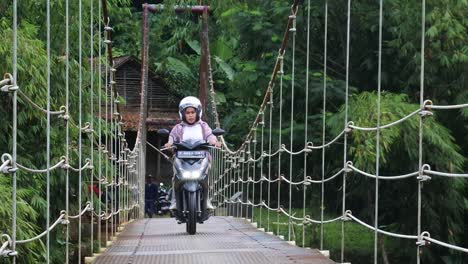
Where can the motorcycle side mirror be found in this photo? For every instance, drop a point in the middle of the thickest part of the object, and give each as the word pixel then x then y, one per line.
pixel 218 132
pixel 163 132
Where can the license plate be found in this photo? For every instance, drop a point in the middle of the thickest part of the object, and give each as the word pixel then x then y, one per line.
pixel 183 154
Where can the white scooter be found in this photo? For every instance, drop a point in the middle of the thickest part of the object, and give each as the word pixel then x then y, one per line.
pixel 191 165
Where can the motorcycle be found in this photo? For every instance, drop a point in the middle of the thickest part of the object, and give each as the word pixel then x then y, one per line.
pixel 191 165
pixel 163 203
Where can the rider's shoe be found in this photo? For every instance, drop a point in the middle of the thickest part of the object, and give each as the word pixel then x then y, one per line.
pixel 173 203
pixel 209 206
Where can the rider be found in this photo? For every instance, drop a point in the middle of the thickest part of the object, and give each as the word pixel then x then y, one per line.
pixel 191 128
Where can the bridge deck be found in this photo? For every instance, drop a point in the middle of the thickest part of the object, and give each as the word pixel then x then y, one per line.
pixel 220 240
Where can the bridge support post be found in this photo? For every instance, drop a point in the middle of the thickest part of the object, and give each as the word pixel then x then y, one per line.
pixel 142 137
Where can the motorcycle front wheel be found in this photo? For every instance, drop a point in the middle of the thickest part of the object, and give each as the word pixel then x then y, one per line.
pixel 192 213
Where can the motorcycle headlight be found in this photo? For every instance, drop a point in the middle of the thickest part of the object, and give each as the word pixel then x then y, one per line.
pixel 191 175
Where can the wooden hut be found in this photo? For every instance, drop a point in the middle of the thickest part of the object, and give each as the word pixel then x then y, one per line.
pixel 162 111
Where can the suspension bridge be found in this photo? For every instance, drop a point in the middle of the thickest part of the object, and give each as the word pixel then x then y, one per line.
pixel 251 189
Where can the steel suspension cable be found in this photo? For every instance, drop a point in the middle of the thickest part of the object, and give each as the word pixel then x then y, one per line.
pixel 377 147
pixel 100 148
pixel 67 129
pixel 280 127
pixel 270 121
pixel 106 150
pixel 262 123
pixel 80 98
pixel 345 145
pixel 254 174
pixel 248 176
pixel 111 146
pixel 14 129
pixel 91 135
pixel 325 61
pixel 293 30
pixel 420 160
pixel 306 119
pixel 48 136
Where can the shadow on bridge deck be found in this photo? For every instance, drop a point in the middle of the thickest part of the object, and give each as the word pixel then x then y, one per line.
pixel 220 240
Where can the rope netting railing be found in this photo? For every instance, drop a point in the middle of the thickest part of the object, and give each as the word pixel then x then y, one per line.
pixel 251 181
pixel 103 186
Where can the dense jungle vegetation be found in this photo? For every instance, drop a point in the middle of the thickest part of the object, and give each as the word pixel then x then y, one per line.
pixel 244 40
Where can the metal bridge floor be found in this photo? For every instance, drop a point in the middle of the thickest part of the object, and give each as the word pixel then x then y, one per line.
pixel 223 240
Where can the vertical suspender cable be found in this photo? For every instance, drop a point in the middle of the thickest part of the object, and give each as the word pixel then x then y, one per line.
pixel 243 182
pixel 239 169
pixel 293 29
pixel 377 147
pixel 248 176
pixel 254 169
pixel 112 152
pixel 99 127
pixel 111 144
pixel 14 126
pixel 80 126
pixel 269 159
pixel 421 102
pixel 67 107
pixel 345 150
pixel 239 184
pixel 279 139
pixel 306 119
pixel 223 182
pixel 122 186
pixel 261 167
pixel 48 134
pixel 107 136
pixel 91 123
pixel 322 197
pixel 117 169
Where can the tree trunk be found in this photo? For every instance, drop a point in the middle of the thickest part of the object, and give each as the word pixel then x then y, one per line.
pixel 383 250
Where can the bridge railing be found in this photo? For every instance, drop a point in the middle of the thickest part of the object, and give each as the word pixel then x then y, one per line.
pixel 251 181
pixel 98 178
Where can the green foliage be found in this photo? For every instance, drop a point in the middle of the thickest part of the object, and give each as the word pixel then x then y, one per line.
pixel 399 150
pixel 32 80
pixel 244 40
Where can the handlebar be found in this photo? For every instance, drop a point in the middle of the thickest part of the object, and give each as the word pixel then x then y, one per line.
pixel 175 147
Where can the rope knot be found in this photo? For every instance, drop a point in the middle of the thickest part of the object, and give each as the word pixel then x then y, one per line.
pixel 309 147
pixel 7 159
pixel 425 109
pixel 422 239
pixel 422 177
pixel 349 127
pixel 7 243
pixel 307 181
pixel 425 113
pixel 8 84
pixel 64 114
pixel 306 220
pixel 427 104
pixel 348 168
pixel 346 215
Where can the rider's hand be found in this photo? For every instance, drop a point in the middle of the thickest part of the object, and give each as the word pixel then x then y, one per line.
pixel 168 145
pixel 212 141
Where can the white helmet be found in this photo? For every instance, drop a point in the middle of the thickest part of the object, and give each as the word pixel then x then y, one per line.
pixel 190 101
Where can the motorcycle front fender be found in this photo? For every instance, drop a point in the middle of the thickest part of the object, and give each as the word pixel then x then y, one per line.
pixel 191 186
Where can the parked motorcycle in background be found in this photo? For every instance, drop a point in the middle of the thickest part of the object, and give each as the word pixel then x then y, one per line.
pixel 163 203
